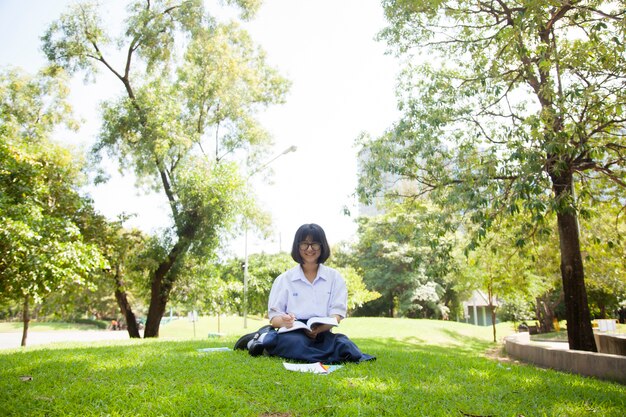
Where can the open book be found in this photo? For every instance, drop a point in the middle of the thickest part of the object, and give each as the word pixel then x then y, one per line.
pixel 310 324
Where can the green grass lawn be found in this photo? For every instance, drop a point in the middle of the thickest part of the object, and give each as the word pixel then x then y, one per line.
pixel 423 368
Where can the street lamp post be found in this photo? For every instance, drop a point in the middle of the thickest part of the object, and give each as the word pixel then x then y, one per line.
pixel 292 148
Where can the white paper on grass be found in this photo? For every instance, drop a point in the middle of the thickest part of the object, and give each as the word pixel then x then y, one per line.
pixel 215 349
pixel 316 367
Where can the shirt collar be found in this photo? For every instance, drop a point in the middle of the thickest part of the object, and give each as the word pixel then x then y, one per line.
pixel 320 274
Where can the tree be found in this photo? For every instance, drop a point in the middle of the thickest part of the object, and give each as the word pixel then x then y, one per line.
pixel 176 103
pixel 502 269
pixel 358 294
pixel 41 247
pixel 204 287
pixel 100 295
pixel 511 107
pixel 263 270
pixel 217 285
pixel 604 251
pixel 541 260
pixel 403 255
pixel 125 252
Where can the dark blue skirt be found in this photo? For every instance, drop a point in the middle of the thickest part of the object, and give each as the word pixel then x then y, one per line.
pixel 327 347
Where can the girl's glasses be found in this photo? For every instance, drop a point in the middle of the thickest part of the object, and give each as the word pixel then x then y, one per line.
pixel 314 245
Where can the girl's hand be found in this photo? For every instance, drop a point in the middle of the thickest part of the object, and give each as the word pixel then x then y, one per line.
pixel 311 333
pixel 320 328
pixel 288 319
pixel 283 320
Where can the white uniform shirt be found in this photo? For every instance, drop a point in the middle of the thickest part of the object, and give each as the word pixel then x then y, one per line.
pixel 293 293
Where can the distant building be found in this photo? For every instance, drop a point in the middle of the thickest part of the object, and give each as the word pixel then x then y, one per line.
pixel 477 310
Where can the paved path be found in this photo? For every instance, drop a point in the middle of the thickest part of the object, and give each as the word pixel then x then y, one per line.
pixel 13 339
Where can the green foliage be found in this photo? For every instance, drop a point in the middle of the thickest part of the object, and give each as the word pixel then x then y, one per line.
pixel 493 109
pixel 188 84
pixel 205 287
pixel 604 250
pixel 223 79
pixel 358 294
pixel 41 246
pixel 504 269
pixel 173 378
pixel 517 309
pixel 404 255
pixel 210 198
pixel 216 287
pixel 507 108
pixel 102 325
pixel 74 43
pixel 262 271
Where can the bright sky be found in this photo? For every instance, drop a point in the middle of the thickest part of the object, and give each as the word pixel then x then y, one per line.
pixel 342 85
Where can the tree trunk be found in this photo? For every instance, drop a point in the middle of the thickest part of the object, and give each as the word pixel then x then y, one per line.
pixel 493 319
pixel 124 305
pixel 579 330
pixel 492 308
pixel 545 312
pixel 159 295
pixel 25 320
pixel 161 287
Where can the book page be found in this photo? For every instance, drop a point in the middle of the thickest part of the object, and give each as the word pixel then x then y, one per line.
pixel 296 326
pixel 310 322
pixel 322 320
pixel 316 368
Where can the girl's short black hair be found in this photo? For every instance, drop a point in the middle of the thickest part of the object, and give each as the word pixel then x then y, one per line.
pixel 317 234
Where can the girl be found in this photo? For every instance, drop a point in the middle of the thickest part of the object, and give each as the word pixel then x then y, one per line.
pixel 310 289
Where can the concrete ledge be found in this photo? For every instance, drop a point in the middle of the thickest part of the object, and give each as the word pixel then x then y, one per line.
pixel 610 343
pixel 599 365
